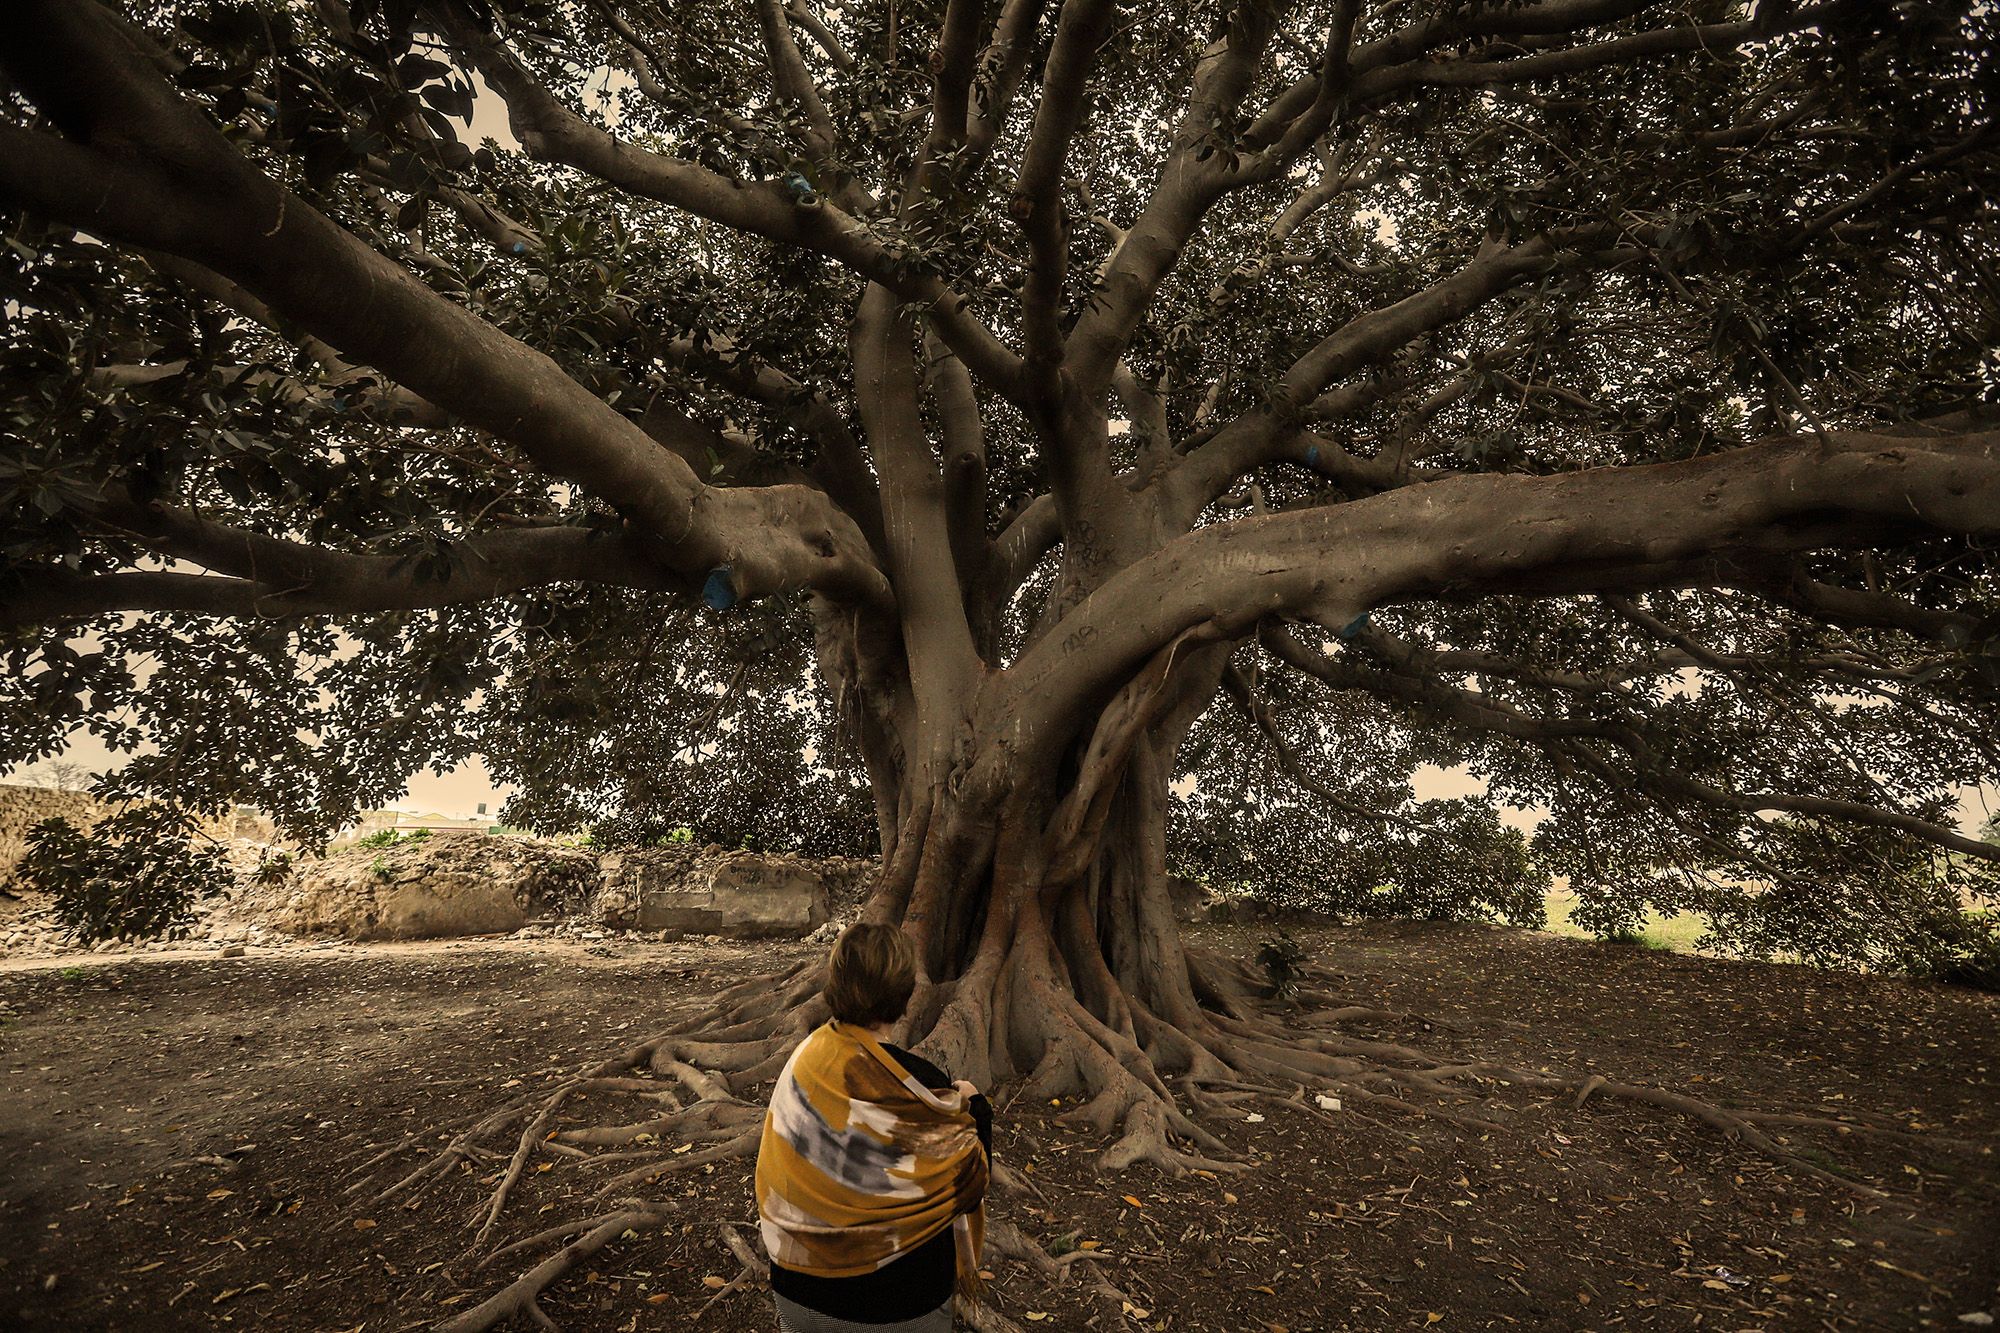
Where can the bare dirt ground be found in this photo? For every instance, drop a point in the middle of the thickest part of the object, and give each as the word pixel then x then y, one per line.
pixel 179 1135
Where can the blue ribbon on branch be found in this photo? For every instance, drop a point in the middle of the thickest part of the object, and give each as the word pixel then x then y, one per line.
pixel 719 592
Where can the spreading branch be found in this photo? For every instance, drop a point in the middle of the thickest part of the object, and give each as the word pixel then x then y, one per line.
pixel 142 166
pixel 261 577
pixel 1605 529
pixel 551 132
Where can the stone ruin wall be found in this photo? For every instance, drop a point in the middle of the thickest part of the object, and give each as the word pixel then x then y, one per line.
pixel 23 806
pixel 469 884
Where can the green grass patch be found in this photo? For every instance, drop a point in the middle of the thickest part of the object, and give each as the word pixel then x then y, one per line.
pixel 1676 933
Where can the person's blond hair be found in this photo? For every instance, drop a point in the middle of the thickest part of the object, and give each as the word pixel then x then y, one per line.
pixel 871 973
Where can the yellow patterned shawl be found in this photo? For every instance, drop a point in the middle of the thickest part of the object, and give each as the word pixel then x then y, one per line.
pixel 861 1163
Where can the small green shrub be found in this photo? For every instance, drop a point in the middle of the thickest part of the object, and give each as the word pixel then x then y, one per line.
pixel 1980 970
pixel 1283 960
pixel 379 868
pixel 673 836
pixel 1968 952
pixel 273 869
pixel 137 875
pixel 389 837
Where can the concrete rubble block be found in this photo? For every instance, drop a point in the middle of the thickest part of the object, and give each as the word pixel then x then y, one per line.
pixel 761 896
pixel 681 891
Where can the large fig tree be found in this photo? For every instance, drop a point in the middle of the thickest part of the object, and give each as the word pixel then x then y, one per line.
pixel 1010 411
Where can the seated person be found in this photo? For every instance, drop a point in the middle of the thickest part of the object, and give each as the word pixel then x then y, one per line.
pixel 873 1166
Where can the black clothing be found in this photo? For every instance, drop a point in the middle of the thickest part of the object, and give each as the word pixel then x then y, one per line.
pixel 904 1288
pixel 931 1076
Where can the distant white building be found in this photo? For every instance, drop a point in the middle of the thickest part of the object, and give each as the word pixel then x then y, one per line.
pixel 403 823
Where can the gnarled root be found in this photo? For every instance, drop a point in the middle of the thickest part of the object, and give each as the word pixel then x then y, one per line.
pixel 755 1271
pixel 692 1075
pixel 1009 1242
pixel 522 1297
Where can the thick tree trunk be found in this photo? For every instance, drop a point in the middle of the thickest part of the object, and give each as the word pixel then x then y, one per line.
pixel 1050 956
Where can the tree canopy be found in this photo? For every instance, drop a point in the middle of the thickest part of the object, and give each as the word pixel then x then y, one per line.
pixel 1589 393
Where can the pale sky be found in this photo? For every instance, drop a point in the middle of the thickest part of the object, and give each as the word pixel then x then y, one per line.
pixel 456 793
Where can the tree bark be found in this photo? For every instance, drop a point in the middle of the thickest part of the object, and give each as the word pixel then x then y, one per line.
pixel 1036 893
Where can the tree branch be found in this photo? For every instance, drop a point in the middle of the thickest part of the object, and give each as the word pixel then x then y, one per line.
pixel 551 132
pixel 1037 194
pixel 1466 72
pixel 1002 66
pixel 839 466
pixel 916 528
pixel 1465 27
pixel 952 68
pixel 1239 689
pixel 402 407
pixel 1616 528
pixel 1484 713
pixel 1257 440
pixel 272 578
pixel 964 470
pixel 1197 172
pixel 1379 332
pixel 1832 216
pixel 794 81
pixel 166 179
pixel 823 36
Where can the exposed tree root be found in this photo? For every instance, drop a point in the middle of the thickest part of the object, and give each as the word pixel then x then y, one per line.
pixel 522 1297
pixel 756 1270
pixel 983 1318
pixel 1010 1242
pixel 1144 1075
pixel 530 1136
